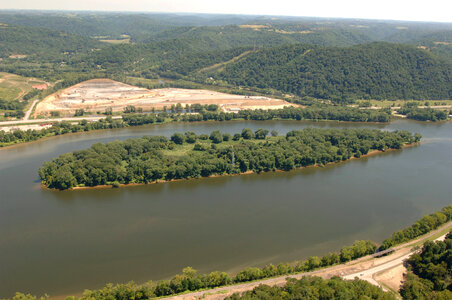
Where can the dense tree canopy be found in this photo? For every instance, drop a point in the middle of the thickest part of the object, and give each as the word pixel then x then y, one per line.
pixel 310 288
pixel 430 274
pixel 372 71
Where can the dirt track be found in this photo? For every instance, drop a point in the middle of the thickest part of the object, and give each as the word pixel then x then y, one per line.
pixel 100 94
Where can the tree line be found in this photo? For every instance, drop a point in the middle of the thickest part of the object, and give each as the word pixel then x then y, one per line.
pixel 424 114
pixel 421 227
pixel 190 280
pixel 202 113
pixel 155 158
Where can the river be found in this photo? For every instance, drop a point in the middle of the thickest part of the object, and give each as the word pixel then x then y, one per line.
pixel 63 242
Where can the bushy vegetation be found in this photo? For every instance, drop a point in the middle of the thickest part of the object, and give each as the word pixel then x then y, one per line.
pixel 58 128
pixel 423 226
pixel 424 114
pixel 316 288
pixel 430 272
pixel 204 113
pixel 154 158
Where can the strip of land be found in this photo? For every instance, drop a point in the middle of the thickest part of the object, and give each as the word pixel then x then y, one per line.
pixel 368 266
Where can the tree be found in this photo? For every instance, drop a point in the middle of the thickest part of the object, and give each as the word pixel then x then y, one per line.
pixel 79 112
pixel 130 109
pixel 108 111
pixel 178 138
pixel 260 134
pixel 247 134
pixel 216 137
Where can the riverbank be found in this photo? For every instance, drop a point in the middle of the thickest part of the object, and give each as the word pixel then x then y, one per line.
pixel 365 268
pixel 289 113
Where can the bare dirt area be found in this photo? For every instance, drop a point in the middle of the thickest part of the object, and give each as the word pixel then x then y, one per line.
pixel 99 94
pixel 37 127
pixel 392 278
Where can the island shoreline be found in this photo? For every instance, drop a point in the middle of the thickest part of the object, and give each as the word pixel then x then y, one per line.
pixel 123 185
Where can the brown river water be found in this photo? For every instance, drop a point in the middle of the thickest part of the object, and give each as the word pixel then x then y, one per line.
pixel 61 243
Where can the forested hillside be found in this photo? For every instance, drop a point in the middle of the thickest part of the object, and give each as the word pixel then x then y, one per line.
pixel 373 71
pixel 298 59
pixel 42 43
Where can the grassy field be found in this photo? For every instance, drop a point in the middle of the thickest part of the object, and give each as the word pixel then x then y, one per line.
pixel 14 87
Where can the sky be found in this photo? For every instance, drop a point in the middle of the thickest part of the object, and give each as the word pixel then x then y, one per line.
pixel 411 10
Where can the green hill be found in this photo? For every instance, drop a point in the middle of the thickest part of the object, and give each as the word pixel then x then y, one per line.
pixel 45 43
pixel 372 71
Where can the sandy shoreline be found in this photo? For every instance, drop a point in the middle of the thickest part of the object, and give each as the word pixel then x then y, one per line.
pixel 122 185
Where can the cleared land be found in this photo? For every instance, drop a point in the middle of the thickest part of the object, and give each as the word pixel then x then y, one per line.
pixel 99 94
pixel 14 87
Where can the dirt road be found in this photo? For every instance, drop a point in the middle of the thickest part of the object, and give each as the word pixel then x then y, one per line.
pixel 28 112
pixel 363 268
pixel 369 275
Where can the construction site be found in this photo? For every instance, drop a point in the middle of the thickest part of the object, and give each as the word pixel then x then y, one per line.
pixel 98 95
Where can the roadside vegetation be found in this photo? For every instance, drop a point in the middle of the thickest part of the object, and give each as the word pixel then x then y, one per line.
pixel 156 158
pixel 421 227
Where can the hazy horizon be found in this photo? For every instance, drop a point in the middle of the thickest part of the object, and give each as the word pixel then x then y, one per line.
pixel 416 10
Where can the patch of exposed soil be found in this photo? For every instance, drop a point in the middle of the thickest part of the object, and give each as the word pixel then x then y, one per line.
pixel 100 94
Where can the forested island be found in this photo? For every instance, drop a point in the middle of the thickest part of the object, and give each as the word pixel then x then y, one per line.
pixel 156 158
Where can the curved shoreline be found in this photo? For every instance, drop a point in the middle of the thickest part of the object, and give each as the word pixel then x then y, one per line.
pixel 191 122
pixel 123 185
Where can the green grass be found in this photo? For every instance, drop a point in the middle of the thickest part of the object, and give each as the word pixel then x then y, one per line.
pixel 14 87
